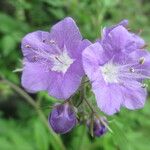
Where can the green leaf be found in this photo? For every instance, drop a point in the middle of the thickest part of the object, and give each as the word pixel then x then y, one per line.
pixel 41 136
pixel 8 44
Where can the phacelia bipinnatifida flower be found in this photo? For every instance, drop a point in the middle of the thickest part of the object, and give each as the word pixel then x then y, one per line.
pixel 116 65
pixel 52 60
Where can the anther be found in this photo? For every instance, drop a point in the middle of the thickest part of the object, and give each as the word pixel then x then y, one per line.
pixel 144 85
pixel 52 41
pixel 58 59
pixel 131 70
pixel 144 46
pixel 141 60
pixel 34 58
pixel 129 29
pixel 27 46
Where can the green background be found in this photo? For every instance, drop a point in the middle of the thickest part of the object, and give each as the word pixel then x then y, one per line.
pixel 23 125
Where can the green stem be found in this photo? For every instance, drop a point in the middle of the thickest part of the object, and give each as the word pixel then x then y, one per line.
pixel 91 108
pixel 31 101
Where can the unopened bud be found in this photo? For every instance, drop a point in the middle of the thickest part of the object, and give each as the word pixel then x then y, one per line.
pixel 62 118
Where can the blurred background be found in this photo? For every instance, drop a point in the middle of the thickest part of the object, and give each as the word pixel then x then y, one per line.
pixel 23 122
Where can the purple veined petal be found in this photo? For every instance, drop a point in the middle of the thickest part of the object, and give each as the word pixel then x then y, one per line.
pixel 135 42
pixel 134 98
pixel 93 56
pixel 66 33
pixel 82 45
pixel 71 80
pixel 36 46
pixel 65 85
pixel 138 41
pixel 54 88
pixel 123 59
pixel 117 39
pixel 109 98
pixel 35 78
pixel 107 30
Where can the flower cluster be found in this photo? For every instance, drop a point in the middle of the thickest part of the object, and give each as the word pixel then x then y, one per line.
pixel 116 66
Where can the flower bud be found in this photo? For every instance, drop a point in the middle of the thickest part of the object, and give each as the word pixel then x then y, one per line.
pixel 62 118
pixel 99 128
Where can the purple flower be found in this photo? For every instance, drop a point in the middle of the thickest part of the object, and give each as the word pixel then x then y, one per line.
pixel 99 128
pixel 117 67
pixel 134 41
pixel 62 118
pixel 52 60
pixel 106 31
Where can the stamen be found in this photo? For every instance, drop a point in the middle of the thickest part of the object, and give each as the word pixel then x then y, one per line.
pixel 129 29
pixel 58 59
pixel 144 46
pixel 132 70
pixel 142 60
pixel 52 41
pixel 44 41
pixel 144 85
pixel 27 46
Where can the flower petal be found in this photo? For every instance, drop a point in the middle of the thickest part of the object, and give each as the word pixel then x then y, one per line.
pixel 117 39
pixel 109 97
pixel 107 30
pixel 35 45
pixel 66 33
pixel 82 45
pixel 134 98
pixel 34 78
pixel 72 80
pixel 65 85
pixel 93 56
pixel 54 88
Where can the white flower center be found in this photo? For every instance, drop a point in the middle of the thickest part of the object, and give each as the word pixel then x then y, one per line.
pixel 61 62
pixel 110 73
